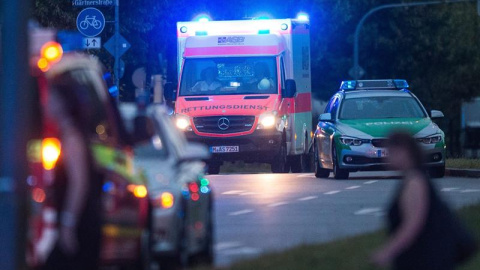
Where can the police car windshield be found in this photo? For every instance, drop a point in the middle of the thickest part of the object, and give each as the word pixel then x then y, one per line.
pixel 229 76
pixel 380 108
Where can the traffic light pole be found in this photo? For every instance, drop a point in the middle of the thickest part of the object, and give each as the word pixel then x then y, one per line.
pixel 15 112
pixel 356 65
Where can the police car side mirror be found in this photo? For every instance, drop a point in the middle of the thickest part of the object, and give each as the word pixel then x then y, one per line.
pixel 143 129
pixel 290 88
pixel 436 114
pixel 170 92
pixel 325 117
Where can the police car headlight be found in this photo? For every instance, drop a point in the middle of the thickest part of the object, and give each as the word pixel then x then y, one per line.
pixel 430 139
pixel 267 120
pixel 352 141
pixel 183 122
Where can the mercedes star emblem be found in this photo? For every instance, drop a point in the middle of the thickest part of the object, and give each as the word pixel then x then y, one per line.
pixel 223 123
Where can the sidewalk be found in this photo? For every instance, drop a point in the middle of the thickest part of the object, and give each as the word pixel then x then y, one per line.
pixel 462 172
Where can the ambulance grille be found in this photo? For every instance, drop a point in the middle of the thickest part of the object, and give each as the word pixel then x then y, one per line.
pixel 224 124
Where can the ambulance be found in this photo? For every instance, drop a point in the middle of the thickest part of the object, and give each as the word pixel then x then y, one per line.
pixel 245 90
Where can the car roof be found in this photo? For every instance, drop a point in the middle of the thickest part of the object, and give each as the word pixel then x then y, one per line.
pixel 376 93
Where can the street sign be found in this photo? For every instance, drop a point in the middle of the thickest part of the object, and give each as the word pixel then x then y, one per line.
pixel 82 3
pixel 356 72
pixel 120 47
pixel 92 43
pixel 90 22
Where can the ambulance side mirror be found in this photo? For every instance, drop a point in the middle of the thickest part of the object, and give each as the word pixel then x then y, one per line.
pixel 170 92
pixel 290 88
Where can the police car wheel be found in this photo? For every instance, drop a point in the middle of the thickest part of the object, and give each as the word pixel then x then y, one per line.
pixel 437 172
pixel 319 171
pixel 338 173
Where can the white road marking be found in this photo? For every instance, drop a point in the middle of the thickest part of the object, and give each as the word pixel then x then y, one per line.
pixel 277 204
pixel 306 175
pixel 308 198
pixel 470 190
pixel 241 212
pixel 231 192
pixel 247 193
pixel 332 192
pixel 368 211
pixel 352 187
pixel 227 245
pixel 242 251
pixel 449 189
pixel 370 182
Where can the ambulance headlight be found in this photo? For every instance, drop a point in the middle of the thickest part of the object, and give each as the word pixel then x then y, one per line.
pixel 183 122
pixel 267 120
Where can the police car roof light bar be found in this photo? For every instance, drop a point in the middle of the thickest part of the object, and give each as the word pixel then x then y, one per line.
pixel 389 84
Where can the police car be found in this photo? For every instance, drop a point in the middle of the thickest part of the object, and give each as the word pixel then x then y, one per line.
pixel 351 133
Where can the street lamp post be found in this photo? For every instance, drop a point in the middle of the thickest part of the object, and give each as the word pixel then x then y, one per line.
pixel 356 72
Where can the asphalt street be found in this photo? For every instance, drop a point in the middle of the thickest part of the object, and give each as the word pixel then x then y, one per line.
pixel 261 213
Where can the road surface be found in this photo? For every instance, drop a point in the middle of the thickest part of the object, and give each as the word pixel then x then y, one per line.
pixel 259 213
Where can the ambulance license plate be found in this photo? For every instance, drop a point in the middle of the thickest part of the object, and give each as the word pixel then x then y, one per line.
pixel 225 149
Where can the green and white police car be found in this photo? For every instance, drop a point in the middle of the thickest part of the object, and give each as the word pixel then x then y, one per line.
pixel 351 133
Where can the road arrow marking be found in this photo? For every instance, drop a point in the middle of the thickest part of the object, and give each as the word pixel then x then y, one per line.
pixel 241 212
pixel 308 198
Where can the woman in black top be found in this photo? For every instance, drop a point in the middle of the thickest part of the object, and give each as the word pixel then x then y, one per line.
pixel 419 223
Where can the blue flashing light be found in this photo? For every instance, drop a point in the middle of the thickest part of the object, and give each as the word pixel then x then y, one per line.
pixel 302 16
pixel 202 18
pixel 108 186
pixel 183 29
pixel 401 84
pixel 113 91
pixel 348 85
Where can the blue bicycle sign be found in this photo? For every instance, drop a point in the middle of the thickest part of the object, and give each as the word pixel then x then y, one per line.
pixel 90 22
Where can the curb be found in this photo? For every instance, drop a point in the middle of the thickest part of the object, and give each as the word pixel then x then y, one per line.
pixel 462 172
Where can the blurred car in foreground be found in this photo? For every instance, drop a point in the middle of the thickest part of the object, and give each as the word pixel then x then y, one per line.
pixel 181 198
pixel 124 195
pixel 351 133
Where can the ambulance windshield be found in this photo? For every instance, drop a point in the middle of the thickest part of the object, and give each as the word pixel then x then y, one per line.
pixel 229 76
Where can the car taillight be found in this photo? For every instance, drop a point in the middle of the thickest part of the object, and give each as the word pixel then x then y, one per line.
pixel 166 200
pixel 50 53
pixel 139 191
pixel 51 149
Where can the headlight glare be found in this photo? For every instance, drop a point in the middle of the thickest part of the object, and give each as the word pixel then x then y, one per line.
pixel 182 122
pixel 267 120
pixel 352 141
